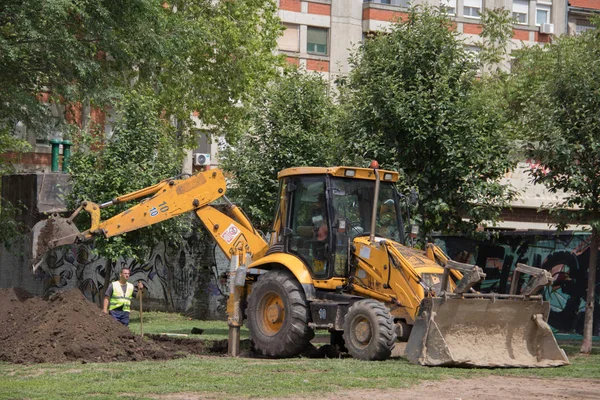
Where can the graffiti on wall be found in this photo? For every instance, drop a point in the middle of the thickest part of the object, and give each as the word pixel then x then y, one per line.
pixel 186 279
pixel 565 255
pixel 191 279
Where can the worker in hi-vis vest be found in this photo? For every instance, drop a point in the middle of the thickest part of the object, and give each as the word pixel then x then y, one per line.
pixel 118 295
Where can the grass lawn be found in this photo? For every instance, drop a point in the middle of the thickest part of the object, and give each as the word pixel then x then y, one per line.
pixel 223 377
pixel 178 325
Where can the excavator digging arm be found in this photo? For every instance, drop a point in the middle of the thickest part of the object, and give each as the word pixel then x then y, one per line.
pixel 167 199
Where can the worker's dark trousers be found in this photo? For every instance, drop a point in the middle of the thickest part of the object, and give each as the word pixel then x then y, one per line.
pixel 121 316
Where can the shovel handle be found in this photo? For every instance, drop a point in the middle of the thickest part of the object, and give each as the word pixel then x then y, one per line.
pixel 141 291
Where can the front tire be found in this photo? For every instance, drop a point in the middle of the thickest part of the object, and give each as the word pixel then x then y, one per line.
pixel 369 331
pixel 278 315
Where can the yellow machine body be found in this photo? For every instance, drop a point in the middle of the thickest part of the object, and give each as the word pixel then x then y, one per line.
pixel 336 260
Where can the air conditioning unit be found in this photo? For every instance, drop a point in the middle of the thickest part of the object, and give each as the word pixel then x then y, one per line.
pixel 201 159
pixel 548 29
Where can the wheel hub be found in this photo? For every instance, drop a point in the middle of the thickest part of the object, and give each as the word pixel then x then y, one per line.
pixel 363 332
pixel 274 313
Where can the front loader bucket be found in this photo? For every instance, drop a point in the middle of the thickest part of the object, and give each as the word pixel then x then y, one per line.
pixel 50 233
pixel 493 331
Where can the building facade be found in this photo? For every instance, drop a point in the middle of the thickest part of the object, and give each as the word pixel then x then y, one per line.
pixel 320 34
pixel 579 13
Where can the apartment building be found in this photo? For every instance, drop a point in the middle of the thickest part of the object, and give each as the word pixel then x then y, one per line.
pixel 320 34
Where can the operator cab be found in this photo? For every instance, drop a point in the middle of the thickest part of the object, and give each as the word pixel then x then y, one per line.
pixel 321 211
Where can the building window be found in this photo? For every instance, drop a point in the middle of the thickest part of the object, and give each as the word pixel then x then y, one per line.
pixel 582 25
pixel 401 3
pixel 520 11
pixel 472 8
pixel 542 14
pixel 472 50
pixel 290 40
pixel 203 141
pixel 449 6
pixel 316 41
pixel 473 54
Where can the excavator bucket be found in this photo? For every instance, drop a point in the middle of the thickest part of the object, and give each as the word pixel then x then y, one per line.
pixel 50 233
pixel 484 331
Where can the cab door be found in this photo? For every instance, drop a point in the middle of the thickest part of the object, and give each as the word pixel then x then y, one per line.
pixel 308 224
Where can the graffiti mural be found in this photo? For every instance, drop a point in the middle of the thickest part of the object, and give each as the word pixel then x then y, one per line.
pixel 184 279
pixel 192 278
pixel 565 255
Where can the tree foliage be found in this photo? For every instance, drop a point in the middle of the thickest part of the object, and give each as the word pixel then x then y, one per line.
pixel 496 34
pixel 198 55
pixel 172 58
pixel 12 230
pixel 142 151
pixel 412 103
pixel 557 104
pixel 291 124
pixel 554 98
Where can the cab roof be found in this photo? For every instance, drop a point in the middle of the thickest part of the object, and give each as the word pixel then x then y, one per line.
pixel 342 172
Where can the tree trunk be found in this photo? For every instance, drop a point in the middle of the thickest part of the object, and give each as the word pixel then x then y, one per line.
pixel 588 325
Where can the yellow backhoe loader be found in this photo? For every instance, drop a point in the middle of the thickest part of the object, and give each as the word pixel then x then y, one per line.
pixel 336 261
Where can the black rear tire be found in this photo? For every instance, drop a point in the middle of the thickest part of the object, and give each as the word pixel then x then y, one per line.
pixel 369 331
pixel 278 316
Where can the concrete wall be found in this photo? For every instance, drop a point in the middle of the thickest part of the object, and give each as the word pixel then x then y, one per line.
pixel 346 33
pixel 36 194
pixel 182 279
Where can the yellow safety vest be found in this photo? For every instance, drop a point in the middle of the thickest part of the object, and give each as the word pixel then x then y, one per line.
pixel 120 299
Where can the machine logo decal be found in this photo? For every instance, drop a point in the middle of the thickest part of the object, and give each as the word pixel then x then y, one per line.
pixel 230 233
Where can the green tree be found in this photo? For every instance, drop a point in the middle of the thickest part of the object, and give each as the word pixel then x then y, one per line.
pixel 198 55
pixel 291 124
pixel 142 151
pixel 555 100
pixel 495 38
pixel 412 102
pixel 218 56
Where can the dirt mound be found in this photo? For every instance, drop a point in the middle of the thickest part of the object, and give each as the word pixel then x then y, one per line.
pixel 70 328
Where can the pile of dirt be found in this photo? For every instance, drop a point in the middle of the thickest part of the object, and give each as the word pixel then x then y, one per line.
pixel 70 328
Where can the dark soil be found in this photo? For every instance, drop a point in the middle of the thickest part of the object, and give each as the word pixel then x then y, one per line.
pixel 68 327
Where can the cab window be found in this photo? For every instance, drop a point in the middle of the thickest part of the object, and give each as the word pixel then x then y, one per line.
pixel 309 223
